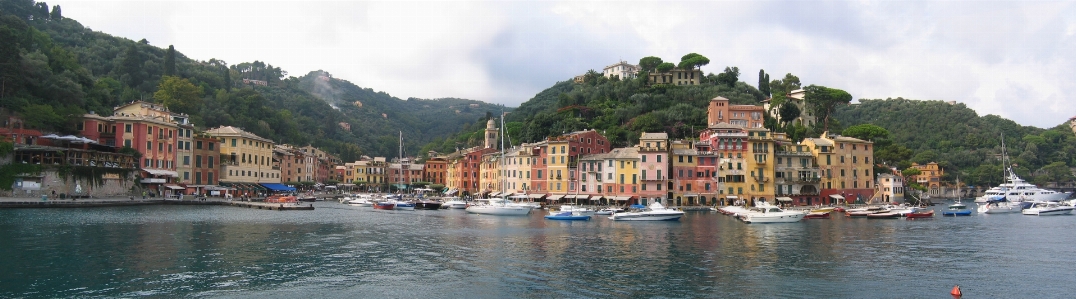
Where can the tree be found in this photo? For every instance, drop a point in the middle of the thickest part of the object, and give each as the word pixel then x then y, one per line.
pixel 789 112
pixel 764 82
pixel 170 61
pixel 692 61
pixel 665 67
pixel 729 77
pixel 132 65
pixel 1056 173
pixel 824 100
pixel 867 132
pixel 781 87
pixel 41 117
pixel 179 95
pixel 649 63
pixel 56 13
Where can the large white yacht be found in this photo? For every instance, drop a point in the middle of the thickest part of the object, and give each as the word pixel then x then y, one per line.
pixel 767 213
pixel 1018 190
pixel 654 212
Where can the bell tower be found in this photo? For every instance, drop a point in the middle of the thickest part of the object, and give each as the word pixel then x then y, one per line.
pixel 491 134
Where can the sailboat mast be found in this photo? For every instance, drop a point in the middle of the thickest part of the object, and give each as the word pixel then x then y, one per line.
pixel 502 172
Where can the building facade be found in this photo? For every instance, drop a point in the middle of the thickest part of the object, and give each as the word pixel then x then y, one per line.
pixel 246 158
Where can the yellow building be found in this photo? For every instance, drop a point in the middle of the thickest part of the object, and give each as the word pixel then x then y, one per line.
pixel 561 162
pixel 761 148
pixel 489 180
pixel 845 163
pixel 929 177
pixel 245 157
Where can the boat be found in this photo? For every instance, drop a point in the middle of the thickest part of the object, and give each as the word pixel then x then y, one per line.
pixel 817 215
pixel 1017 189
pixel 573 209
pixel 767 213
pixel 361 201
pixel 384 205
pixel 453 203
pixel 428 205
pixel 888 214
pixel 608 211
pixel 823 210
pixel 1002 206
pixel 567 216
pixel 404 205
pixel 654 212
pixel 308 198
pixel 920 213
pixel 731 210
pixel 863 212
pixel 957 209
pixel 502 208
pixel 1048 208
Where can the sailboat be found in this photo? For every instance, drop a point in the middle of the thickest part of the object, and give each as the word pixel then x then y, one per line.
pixel 500 207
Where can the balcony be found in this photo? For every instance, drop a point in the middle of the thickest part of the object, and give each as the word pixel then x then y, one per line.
pixel 654 179
pixel 761 179
pixel 806 180
pixel 651 149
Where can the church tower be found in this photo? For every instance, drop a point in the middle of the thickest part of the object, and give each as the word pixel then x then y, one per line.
pixel 491 134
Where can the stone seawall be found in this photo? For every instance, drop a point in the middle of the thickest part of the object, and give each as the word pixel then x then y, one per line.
pixel 53 185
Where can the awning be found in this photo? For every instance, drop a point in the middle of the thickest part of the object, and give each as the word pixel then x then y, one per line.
pixel 691 195
pixel 174 187
pixel 582 196
pixel 596 197
pixel 537 195
pixel 161 172
pixel 622 198
pixel 731 197
pixel 278 187
pixel 784 199
pixel 837 196
pixel 494 194
pixel 555 197
pixel 400 186
pixel 450 192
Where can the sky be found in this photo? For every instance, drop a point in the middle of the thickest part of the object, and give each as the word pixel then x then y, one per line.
pixel 1010 58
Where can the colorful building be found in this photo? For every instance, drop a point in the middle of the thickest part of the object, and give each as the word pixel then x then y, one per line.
pixel 148 128
pixel 246 158
pixel 654 167
pixel 929 177
pixel 845 165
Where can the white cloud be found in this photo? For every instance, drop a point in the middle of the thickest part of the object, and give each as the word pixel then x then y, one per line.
pixel 1005 58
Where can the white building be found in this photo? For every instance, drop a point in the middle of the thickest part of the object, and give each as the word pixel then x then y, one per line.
pixel 621 69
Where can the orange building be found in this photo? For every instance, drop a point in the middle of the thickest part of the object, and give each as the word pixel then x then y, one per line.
pixel 744 116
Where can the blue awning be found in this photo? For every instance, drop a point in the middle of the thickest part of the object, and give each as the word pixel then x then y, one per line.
pixel 278 187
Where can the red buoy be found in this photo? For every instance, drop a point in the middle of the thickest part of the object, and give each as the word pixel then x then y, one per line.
pixel 956 292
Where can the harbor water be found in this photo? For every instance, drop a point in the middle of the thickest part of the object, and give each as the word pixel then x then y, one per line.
pixel 339 251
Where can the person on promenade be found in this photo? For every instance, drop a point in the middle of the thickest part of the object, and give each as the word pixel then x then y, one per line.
pixel 143 194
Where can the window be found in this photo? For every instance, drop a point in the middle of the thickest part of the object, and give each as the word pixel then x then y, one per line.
pixel 211 146
pixel 186 175
pixel 127 128
pixel 644 156
pixel 197 161
pixel 198 145
pixel 127 143
pixel 210 177
pixel 233 142
pixel 187 160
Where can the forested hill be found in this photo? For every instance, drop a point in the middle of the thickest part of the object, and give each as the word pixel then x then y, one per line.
pixel 965 144
pixel 622 109
pixel 53 69
pixel 379 117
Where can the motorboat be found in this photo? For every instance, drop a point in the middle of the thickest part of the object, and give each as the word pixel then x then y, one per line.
pixel 1002 206
pixel 654 212
pixel 567 216
pixel 573 209
pixel 956 210
pixel 404 205
pixel 384 205
pixel 920 213
pixel 608 211
pixel 308 198
pixel 1048 208
pixel 823 210
pixel 863 212
pixel 360 201
pixel 454 203
pixel 428 205
pixel 817 215
pixel 731 210
pixel 499 209
pixel 889 214
pixel 766 213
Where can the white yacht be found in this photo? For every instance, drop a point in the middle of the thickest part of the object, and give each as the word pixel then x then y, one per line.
pixel 654 212
pixel 767 213
pixel 1048 208
pixel 1019 190
pixel 499 209
pixel 454 203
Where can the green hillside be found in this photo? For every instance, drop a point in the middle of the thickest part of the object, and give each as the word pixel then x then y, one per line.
pixel 53 68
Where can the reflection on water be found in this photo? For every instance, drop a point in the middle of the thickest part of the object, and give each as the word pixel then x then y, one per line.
pixel 343 251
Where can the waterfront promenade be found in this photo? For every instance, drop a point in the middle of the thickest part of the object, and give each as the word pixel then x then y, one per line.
pixel 25 202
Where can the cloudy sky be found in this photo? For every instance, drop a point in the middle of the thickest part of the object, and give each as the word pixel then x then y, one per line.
pixel 1014 59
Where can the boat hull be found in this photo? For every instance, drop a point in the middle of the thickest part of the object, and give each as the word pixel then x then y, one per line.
pixel 957 213
pixel 889 215
pixel 646 217
pixel 499 210
pixel 573 217
pixel 308 199
pixel 405 206
pixel 796 217
pixel 920 215
pixel 384 206
pixel 1035 212
pixel 428 206
pixel 814 215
